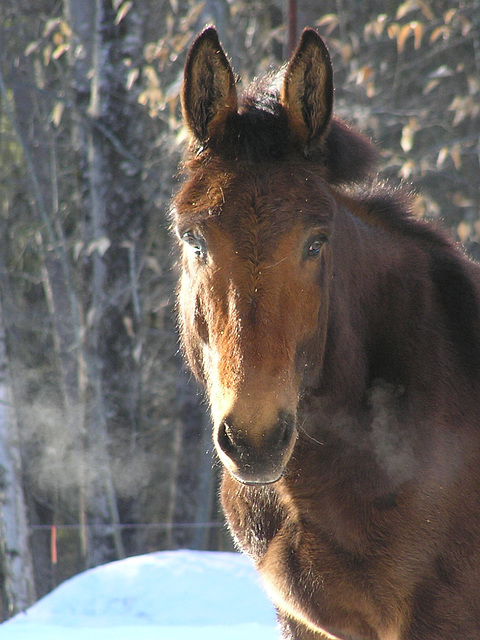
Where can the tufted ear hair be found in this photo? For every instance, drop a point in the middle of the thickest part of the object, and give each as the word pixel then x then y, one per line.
pixel 307 94
pixel 209 93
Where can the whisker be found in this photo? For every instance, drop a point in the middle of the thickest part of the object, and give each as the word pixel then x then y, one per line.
pixel 270 266
pixel 301 429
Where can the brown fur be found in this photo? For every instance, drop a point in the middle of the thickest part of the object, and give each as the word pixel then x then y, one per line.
pixel 339 342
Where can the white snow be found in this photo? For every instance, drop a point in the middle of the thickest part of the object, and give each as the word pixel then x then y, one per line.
pixel 169 595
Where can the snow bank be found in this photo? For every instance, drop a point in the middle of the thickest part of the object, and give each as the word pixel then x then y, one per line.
pixel 172 595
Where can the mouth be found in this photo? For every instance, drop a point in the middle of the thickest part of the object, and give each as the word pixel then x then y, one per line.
pixel 258 481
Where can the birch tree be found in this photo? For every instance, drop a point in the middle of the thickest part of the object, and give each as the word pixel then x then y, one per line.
pixel 17 585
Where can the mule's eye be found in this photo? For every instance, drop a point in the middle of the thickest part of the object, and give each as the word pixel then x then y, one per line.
pixel 197 243
pixel 314 246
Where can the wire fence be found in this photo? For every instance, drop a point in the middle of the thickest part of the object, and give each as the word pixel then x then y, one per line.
pixel 141 525
pixel 64 546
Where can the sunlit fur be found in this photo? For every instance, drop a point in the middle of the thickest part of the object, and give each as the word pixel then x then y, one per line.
pixel 338 339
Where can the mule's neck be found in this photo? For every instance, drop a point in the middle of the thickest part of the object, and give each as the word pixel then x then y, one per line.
pixel 378 311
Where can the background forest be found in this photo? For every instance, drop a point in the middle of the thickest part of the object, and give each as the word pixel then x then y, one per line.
pixel 104 441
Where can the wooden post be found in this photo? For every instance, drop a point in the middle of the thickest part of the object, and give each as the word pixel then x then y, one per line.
pixel 291 26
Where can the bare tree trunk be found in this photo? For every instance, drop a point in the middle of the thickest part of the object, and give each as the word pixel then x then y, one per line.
pixel 17 584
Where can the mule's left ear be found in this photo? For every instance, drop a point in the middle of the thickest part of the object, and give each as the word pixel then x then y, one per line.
pixel 209 92
pixel 307 93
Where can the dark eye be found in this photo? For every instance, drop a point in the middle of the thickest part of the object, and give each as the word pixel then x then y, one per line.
pixel 314 246
pixel 197 243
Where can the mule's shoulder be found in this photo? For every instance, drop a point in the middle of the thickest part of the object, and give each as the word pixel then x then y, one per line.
pixel 458 296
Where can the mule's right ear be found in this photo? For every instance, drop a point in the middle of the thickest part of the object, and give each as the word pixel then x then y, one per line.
pixel 209 93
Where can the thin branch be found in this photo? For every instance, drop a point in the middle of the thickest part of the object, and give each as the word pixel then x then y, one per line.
pixel 112 138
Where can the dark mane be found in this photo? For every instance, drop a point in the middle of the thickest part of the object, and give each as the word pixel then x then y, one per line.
pixel 378 205
pixel 258 131
pixel 263 93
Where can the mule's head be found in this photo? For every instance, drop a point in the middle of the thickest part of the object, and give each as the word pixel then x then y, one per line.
pixel 254 219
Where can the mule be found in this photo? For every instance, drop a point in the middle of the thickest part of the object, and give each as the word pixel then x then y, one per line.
pixel 338 340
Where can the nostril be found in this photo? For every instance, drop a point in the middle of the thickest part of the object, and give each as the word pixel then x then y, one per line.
pixel 285 428
pixel 226 440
